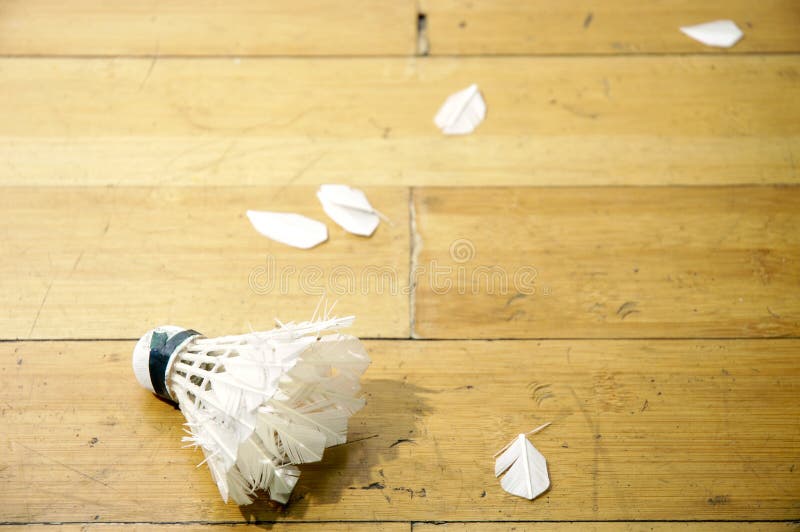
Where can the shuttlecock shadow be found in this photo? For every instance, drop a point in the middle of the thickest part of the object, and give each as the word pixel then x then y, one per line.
pixel 392 415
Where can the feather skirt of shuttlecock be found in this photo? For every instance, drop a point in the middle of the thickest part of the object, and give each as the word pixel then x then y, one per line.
pixel 260 403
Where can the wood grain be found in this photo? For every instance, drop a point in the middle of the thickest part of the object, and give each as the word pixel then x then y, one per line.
pixel 607 262
pixel 617 526
pixel 611 27
pixel 97 262
pixel 273 527
pixel 642 430
pixel 207 27
pixel 552 121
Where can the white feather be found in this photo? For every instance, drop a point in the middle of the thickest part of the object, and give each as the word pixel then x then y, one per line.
pixel 719 33
pixel 283 482
pixel 461 112
pixel 525 469
pixel 301 443
pixel 349 208
pixel 288 228
pixel 345 196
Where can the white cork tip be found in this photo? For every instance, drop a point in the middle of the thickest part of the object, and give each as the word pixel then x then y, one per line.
pixel 141 354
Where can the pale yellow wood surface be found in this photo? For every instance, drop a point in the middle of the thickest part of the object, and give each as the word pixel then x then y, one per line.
pixel 440 527
pixel 551 121
pixel 97 262
pixel 274 527
pixel 207 27
pixel 607 527
pixel 642 430
pixel 607 27
pixel 607 262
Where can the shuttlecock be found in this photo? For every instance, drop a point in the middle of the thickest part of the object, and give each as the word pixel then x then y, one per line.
pixel 257 404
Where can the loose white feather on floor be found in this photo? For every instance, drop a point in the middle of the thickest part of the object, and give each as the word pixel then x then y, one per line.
pixel 289 228
pixel 524 466
pixel 719 33
pixel 257 404
pixel 461 112
pixel 350 208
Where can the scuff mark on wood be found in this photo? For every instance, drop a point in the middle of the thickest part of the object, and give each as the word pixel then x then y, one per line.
pixel 402 440
pixel 372 486
pixel 411 492
pixel 515 297
pixel 718 499
pixel 626 309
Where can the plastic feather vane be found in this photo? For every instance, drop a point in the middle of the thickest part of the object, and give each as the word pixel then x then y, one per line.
pixel 257 404
pixel 719 33
pixel 350 208
pixel 524 466
pixel 461 112
pixel 289 228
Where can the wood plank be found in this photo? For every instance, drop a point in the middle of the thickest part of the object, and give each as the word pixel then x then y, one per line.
pixel 607 262
pixel 618 526
pixel 207 27
pixel 552 121
pixel 642 430
pixel 273 527
pixel 609 27
pixel 98 262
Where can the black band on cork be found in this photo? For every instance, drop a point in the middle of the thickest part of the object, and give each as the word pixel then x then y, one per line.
pixel 161 349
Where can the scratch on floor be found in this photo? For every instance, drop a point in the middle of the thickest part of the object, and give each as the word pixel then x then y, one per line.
pixel 65 466
pixel 354 441
pixel 149 71
pixel 593 427
pixel 297 175
pixel 77 261
pixel 214 165
pixel 39 311
pixel 580 112
pixel 305 169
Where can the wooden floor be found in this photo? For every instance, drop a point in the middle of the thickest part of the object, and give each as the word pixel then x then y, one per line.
pixel 616 250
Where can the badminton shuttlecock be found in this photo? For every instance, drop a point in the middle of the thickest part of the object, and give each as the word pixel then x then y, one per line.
pixel 257 404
